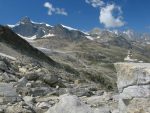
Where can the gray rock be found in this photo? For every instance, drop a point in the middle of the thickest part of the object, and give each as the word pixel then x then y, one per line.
pixel 22 82
pixel 3 65
pixel 29 100
pixel 43 105
pixel 8 77
pixel 40 91
pixel 17 108
pixel 2 110
pixel 134 87
pixel 8 94
pixel 70 104
pixel 50 79
pixel 104 110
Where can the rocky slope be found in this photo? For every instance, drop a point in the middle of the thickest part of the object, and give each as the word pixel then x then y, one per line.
pixel 30 88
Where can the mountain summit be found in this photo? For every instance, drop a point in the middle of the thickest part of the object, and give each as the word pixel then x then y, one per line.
pixel 29 29
pixel 25 20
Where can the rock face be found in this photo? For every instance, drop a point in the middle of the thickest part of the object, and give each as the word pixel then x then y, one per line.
pixel 134 87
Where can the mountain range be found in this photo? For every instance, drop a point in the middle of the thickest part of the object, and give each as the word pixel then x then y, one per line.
pixel 33 30
pixel 72 53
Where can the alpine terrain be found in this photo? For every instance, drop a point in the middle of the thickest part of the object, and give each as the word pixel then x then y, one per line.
pixel 60 69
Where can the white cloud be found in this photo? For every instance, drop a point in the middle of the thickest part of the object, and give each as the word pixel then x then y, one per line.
pixel 61 11
pixel 95 3
pixel 50 8
pixel 56 10
pixel 107 16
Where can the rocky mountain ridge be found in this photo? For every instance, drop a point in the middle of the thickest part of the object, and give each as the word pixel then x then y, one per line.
pixel 29 29
pixel 33 30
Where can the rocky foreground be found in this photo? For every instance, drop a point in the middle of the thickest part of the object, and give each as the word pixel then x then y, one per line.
pixel 29 88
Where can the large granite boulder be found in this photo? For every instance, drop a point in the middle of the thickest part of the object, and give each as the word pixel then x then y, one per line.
pixel 134 87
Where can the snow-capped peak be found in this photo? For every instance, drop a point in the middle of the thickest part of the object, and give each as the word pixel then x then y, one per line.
pixel 69 28
pixel 11 26
pixel 25 20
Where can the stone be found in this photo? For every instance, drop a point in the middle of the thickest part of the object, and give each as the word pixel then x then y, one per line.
pixel 22 70
pixel 22 82
pixel 70 104
pixel 115 111
pixel 2 110
pixel 129 74
pixel 29 85
pixel 29 100
pixel 8 77
pixel 102 110
pixel 8 93
pixel 40 91
pixel 3 66
pixel 18 109
pixel 43 105
pixel 50 79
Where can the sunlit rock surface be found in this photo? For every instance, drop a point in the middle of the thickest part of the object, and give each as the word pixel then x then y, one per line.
pixel 134 87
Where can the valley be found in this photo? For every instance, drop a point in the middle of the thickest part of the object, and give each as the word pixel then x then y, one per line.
pixel 46 69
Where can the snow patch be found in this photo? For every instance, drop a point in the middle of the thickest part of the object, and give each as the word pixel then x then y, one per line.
pixel 98 37
pixel 69 28
pixel 7 56
pixel 48 25
pixel 89 37
pixel 12 26
pixel 29 39
pixel 41 23
pixel 86 33
pixel 48 35
pixel 128 59
pixel 42 48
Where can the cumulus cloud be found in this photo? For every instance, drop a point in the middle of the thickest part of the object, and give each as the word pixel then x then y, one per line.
pixel 108 18
pixel 61 11
pixel 56 10
pixel 50 8
pixel 95 3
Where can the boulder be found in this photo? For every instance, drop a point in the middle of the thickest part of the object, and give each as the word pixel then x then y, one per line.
pixel 70 104
pixel 23 70
pixel 3 66
pixel 22 82
pixel 134 87
pixel 43 105
pixel 8 78
pixel 102 110
pixel 2 110
pixel 8 93
pixel 50 79
pixel 29 100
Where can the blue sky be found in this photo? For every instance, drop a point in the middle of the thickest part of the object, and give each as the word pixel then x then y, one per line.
pixel 81 14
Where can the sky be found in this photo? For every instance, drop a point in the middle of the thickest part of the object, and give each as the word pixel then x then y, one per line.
pixel 80 14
